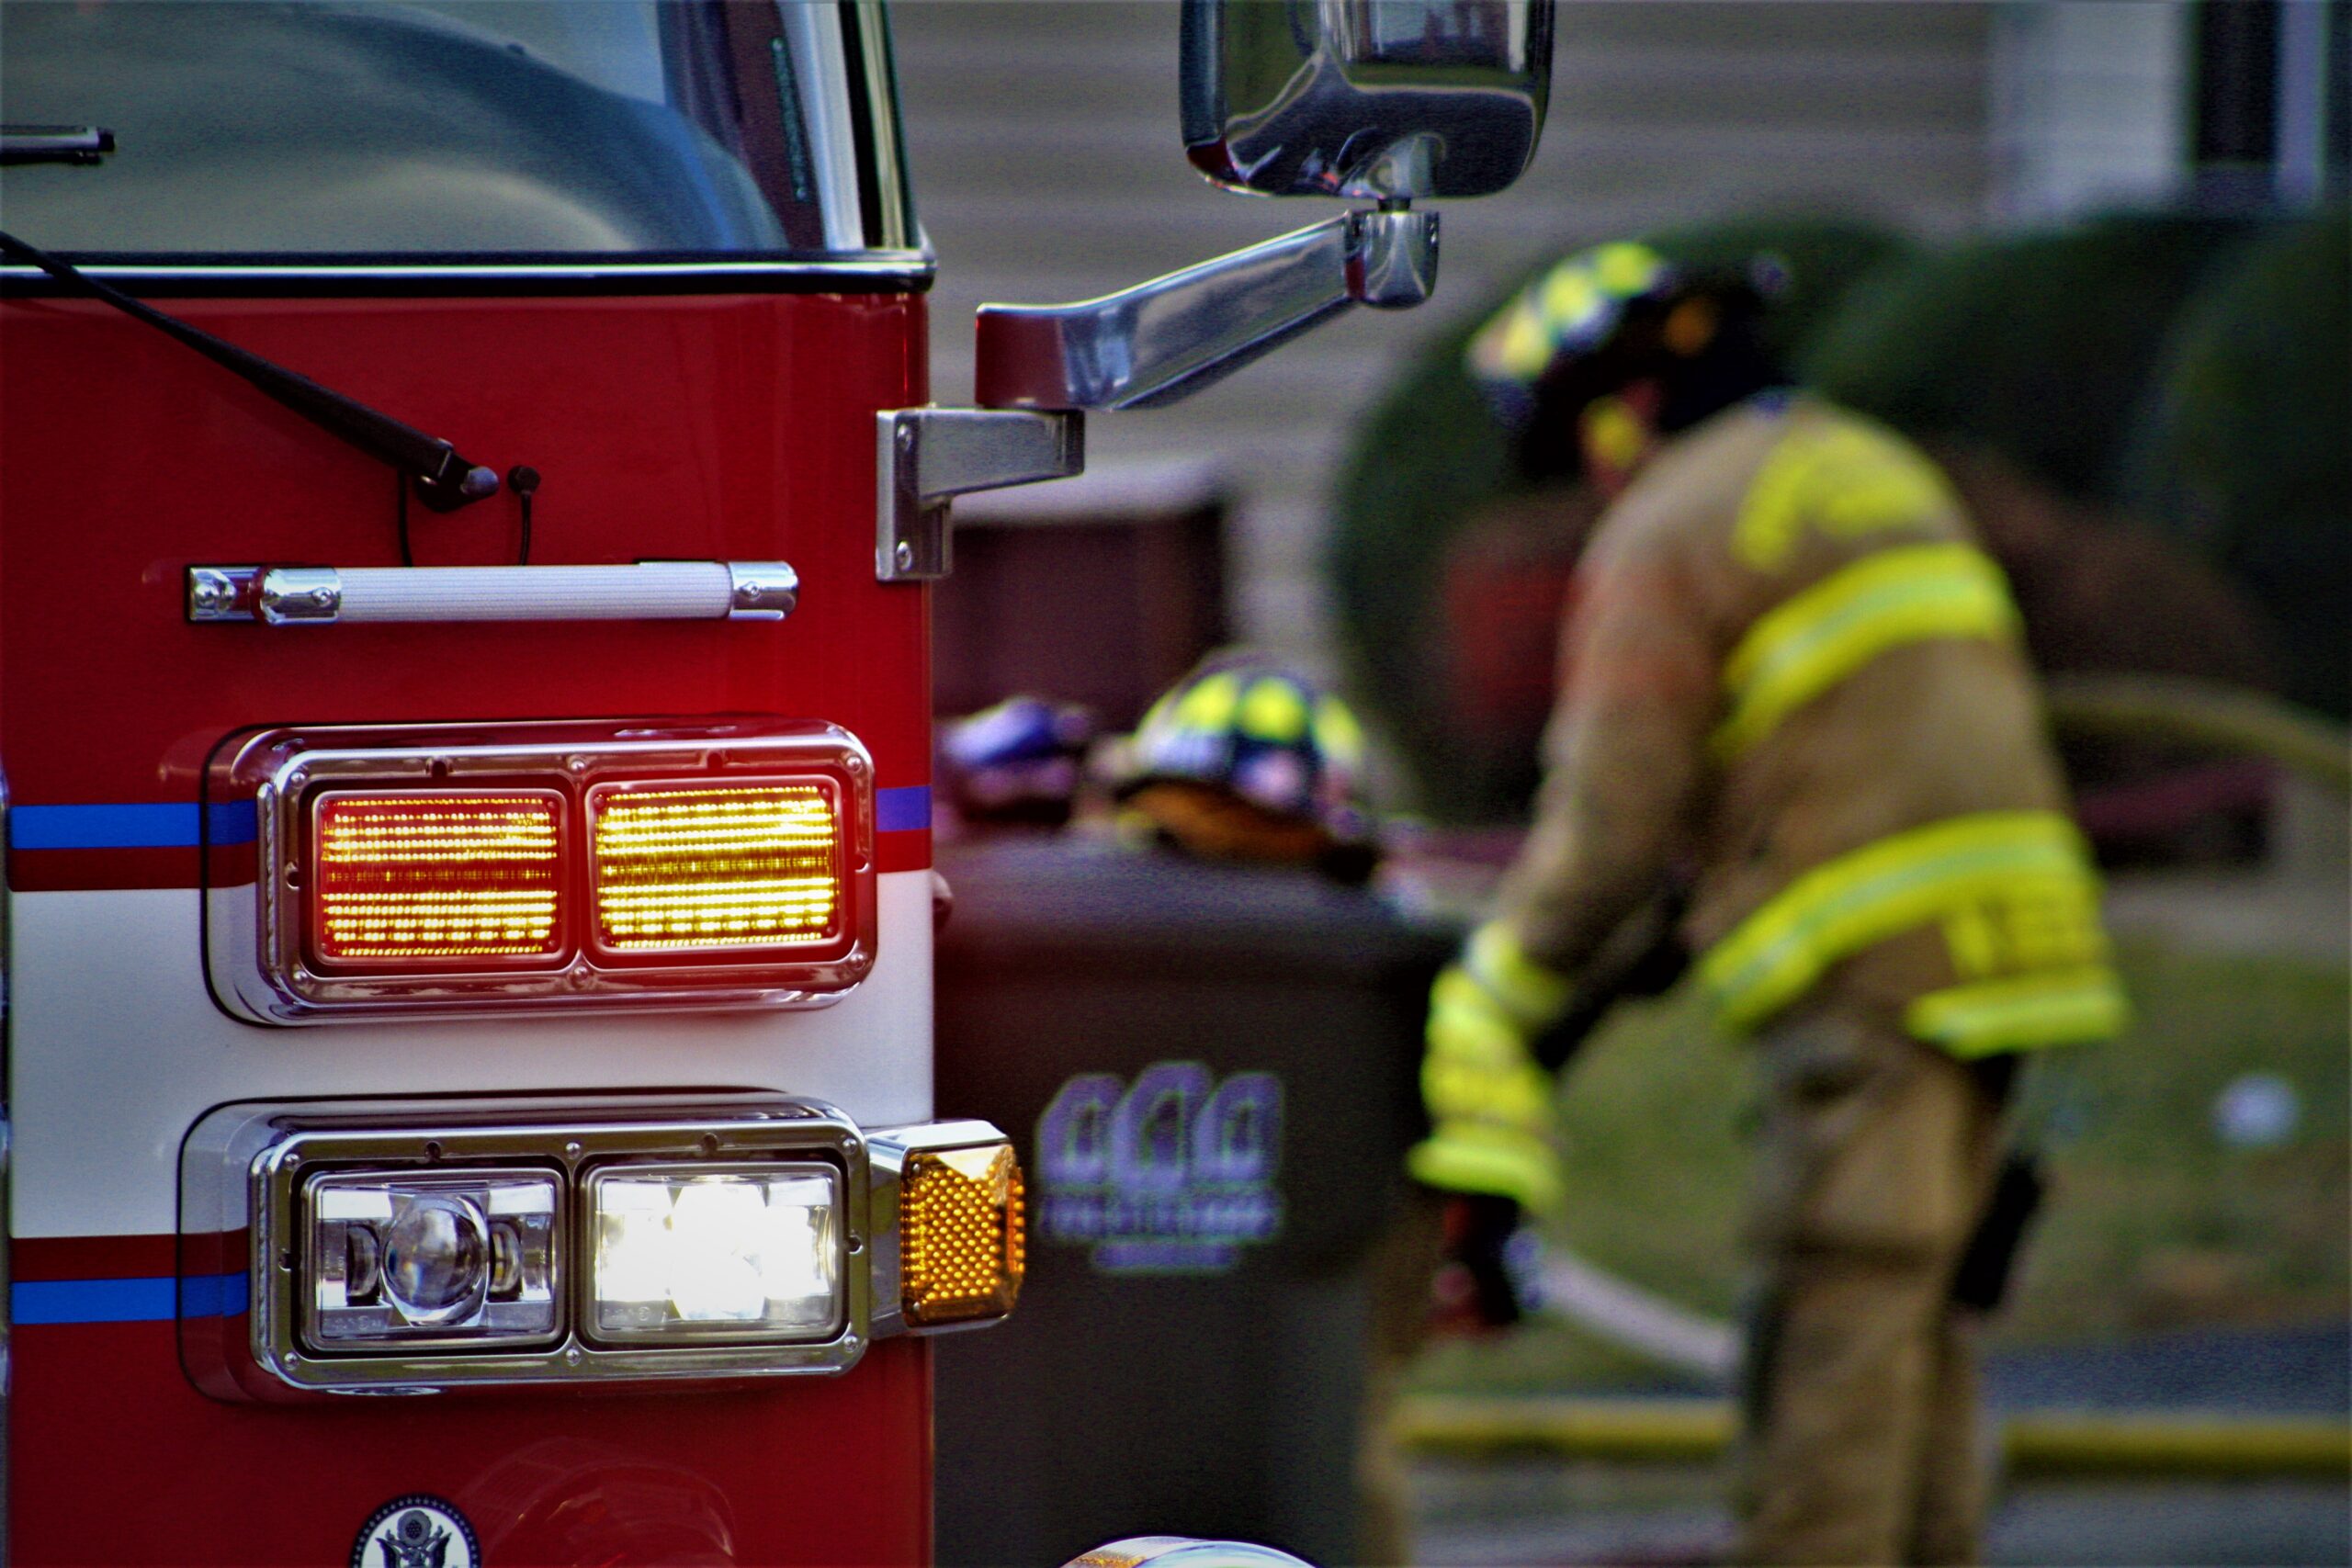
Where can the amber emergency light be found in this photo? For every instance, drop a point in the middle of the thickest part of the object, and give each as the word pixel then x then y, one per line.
pixel 680 867
pixel 434 877
pixel 469 868
pixel 950 1225
pixel 962 1235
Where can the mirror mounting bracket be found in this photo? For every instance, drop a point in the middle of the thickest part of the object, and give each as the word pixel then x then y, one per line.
pixel 925 457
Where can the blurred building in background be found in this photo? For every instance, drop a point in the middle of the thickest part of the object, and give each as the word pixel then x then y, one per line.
pixel 1932 119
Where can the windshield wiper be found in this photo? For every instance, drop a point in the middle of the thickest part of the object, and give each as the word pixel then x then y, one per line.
pixel 443 480
pixel 54 144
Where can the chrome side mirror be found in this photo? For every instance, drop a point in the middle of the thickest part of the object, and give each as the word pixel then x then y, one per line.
pixel 1382 100
pixel 1386 101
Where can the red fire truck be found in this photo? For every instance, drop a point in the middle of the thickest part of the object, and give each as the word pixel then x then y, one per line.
pixel 470 487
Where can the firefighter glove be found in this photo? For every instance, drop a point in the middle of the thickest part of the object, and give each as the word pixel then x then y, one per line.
pixel 1489 1273
pixel 1493 1127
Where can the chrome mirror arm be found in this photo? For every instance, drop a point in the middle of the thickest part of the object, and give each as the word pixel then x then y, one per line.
pixel 1167 339
pixel 1041 366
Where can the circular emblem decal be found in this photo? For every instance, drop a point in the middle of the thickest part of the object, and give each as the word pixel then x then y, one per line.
pixel 417 1532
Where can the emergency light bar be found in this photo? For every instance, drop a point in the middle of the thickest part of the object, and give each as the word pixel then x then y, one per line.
pixel 404 1246
pixel 463 868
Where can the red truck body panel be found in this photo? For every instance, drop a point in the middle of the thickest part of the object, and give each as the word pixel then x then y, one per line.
pixel 703 426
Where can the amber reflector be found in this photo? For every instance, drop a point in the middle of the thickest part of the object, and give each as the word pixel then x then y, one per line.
pixel 961 1244
pixel 418 876
pixel 680 867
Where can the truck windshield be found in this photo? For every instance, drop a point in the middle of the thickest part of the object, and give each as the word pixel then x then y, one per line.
pixel 458 129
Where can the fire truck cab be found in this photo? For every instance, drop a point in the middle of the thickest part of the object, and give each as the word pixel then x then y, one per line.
pixel 471 487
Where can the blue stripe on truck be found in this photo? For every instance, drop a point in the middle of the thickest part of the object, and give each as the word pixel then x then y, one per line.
pixel 172 827
pixel 905 810
pixel 126 1301
pixel 137 827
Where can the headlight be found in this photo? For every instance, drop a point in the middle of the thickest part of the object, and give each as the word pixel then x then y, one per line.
pixel 741 1252
pixel 396 1260
pixel 407 1247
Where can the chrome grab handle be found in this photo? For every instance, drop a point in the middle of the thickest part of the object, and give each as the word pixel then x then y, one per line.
pixel 647 591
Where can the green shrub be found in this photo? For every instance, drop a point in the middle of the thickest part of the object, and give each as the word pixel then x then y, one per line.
pixel 2244 448
pixel 2040 346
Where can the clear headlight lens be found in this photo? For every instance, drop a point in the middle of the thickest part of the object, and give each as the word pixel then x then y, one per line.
pixel 459 1255
pixel 716 1252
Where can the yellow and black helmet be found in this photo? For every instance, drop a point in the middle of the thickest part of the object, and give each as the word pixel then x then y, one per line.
pixel 1615 314
pixel 1245 758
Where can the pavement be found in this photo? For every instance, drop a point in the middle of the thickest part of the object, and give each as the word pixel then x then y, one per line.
pixel 1532 1510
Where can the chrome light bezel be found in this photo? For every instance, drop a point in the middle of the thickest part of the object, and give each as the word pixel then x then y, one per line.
pixel 257 923
pixel 243 1172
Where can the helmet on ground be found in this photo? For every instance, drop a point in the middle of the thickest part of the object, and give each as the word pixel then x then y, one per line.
pixel 1247 759
pixel 1020 761
pixel 1613 315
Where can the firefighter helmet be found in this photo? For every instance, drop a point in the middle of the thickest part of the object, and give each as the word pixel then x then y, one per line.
pixel 1615 314
pixel 1019 762
pixel 1247 759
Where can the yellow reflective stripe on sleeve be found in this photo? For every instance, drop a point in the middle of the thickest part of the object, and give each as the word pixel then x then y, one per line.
pixel 1476 1065
pixel 1530 993
pixel 1511 1097
pixel 2033 927
pixel 1801 648
pixel 1466 1020
pixel 2061 1008
pixel 1899 883
pixel 1473 1158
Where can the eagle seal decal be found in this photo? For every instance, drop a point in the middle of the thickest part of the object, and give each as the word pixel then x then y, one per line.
pixel 417 1531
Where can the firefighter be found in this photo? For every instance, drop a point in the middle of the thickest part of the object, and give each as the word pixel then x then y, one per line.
pixel 1791 675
